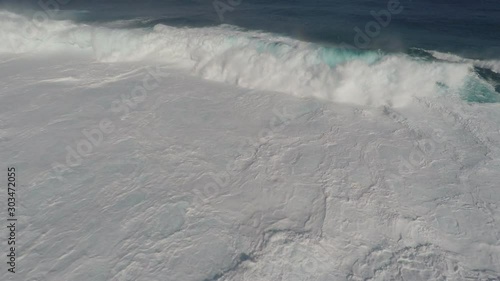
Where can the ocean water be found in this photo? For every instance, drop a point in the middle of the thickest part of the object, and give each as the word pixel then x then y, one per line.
pixel 469 28
pixel 437 41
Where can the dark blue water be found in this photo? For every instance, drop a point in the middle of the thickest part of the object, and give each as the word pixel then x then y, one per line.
pixel 466 28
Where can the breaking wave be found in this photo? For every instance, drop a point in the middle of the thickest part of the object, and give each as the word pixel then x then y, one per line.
pixel 265 61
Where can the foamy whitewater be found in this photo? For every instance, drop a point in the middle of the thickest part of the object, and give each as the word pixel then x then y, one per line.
pixel 222 153
pixel 257 60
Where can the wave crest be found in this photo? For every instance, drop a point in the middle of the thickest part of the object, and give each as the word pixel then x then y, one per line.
pixel 260 60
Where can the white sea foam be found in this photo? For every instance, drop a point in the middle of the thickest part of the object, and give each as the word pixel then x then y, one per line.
pixel 205 181
pixel 490 64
